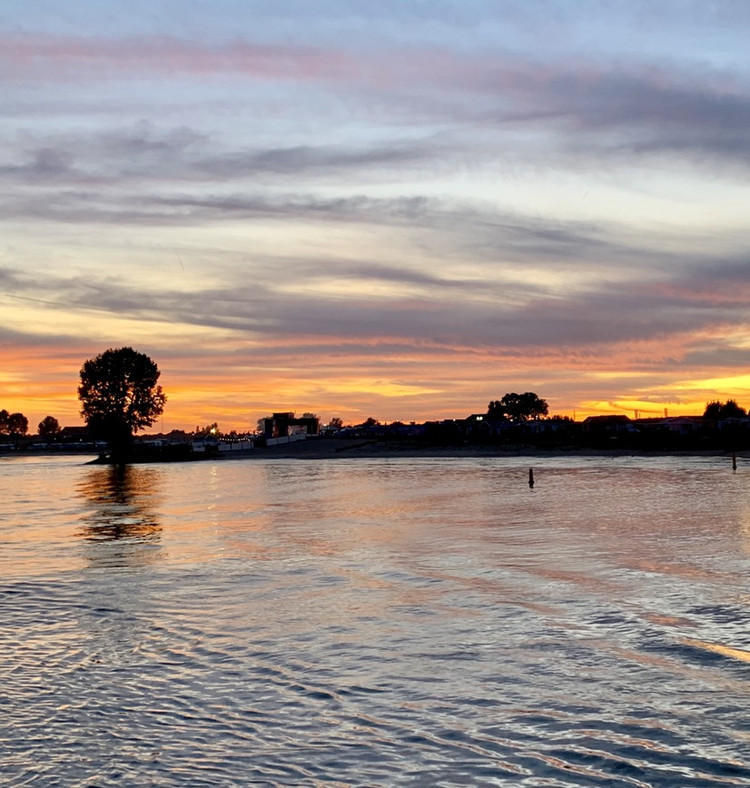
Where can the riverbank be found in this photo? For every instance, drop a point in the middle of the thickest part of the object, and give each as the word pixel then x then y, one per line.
pixel 319 448
pixel 335 448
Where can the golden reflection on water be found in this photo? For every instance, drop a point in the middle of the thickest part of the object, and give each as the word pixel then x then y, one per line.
pixel 354 510
pixel 741 654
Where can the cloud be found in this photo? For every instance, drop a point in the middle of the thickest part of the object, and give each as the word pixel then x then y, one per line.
pixel 436 112
pixel 38 56
pixel 638 115
pixel 439 224
pixel 300 161
pixel 44 165
pixel 145 154
pixel 632 108
pixel 412 200
pixel 316 300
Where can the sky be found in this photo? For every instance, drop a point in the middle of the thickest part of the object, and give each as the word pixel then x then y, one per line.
pixel 399 209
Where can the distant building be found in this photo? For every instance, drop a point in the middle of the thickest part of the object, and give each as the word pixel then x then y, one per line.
pixel 480 425
pixel 609 423
pixel 74 435
pixel 683 425
pixel 281 425
pixel 178 436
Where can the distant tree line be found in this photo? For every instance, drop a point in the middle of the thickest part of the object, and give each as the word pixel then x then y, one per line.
pixel 724 410
pixel 119 394
pixel 14 425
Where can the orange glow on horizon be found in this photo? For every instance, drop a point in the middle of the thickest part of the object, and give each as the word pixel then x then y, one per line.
pixel 39 382
pixel 235 379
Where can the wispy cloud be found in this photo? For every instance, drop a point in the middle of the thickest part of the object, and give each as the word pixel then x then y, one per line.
pixel 424 196
pixel 682 297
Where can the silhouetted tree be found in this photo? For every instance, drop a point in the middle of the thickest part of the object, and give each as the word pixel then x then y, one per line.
pixel 713 410
pixel 48 427
pixel 518 408
pixel 18 425
pixel 723 410
pixel 13 425
pixel 732 410
pixel 120 394
pixel 335 423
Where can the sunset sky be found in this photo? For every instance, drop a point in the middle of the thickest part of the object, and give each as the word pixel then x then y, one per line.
pixel 400 209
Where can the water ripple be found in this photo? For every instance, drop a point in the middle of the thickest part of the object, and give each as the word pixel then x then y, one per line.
pixel 375 623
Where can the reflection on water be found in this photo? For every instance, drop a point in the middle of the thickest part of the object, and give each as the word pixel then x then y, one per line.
pixel 376 623
pixel 122 502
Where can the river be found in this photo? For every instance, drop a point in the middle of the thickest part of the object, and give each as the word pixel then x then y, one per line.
pixel 375 622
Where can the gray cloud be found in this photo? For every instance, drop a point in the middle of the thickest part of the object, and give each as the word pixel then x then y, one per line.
pixel 144 156
pixel 44 165
pixel 640 117
pixel 442 311
pixel 441 228
pixel 588 109
pixel 300 161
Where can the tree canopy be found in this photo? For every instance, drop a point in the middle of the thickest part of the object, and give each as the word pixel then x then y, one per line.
pixel 119 393
pixel 518 408
pixel 723 410
pixel 15 424
pixel 48 427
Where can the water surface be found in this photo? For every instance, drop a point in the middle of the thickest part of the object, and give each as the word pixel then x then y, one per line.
pixel 375 622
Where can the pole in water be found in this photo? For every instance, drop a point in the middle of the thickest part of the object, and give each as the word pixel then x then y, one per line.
pixel 734 461
pixel 531 477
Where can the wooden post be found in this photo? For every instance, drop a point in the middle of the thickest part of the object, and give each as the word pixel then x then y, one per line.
pixel 734 461
pixel 531 477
